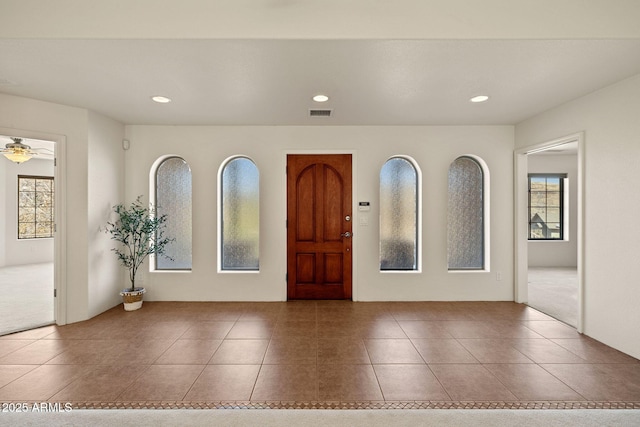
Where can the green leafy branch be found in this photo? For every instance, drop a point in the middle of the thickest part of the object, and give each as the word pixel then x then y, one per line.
pixel 141 233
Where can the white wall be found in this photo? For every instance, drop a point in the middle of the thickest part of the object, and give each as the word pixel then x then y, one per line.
pixel 434 148
pixel 557 253
pixel 105 188
pixel 26 251
pixel 3 217
pixel 609 118
pixel 44 120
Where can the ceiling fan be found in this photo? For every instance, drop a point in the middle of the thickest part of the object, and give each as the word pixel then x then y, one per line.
pixel 18 152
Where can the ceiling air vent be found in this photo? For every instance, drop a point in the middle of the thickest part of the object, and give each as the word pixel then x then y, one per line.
pixel 320 113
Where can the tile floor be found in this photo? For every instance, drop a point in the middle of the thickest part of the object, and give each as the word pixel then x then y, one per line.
pixel 324 351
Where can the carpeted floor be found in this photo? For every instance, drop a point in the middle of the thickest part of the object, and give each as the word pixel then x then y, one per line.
pixel 554 291
pixel 26 297
pixel 318 418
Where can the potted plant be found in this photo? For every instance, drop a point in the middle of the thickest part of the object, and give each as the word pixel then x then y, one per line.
pixel 140 233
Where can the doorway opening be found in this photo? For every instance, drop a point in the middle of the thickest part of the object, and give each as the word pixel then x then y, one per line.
pixel 549 234
pixel 28 244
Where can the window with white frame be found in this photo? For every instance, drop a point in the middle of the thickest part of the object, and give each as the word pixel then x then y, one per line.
pixel 546 206
pixel 466 215
pixel 399 215
pixel 239 215
pixel 35 207
pixel 173 198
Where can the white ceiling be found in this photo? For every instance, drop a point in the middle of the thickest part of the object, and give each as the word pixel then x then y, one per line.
pixel 271 82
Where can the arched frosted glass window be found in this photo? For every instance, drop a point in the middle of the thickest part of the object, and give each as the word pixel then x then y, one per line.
pixel 466 215
pixel 173 198
pixel 398 215
pixel 240 205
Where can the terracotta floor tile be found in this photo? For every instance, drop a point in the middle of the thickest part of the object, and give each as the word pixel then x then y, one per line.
pixel 493 350
pixel 471 383
pixel 292 351
pixel 406 312
pixel 162 382
pixel 127 352
pixel 512 329
pixel 32 334
pixel 340 315
pixel 295 328
pixel 357 312
pixel 470 329
pixel 552 329
pixel 409 382
pixel 42 383
pixel 260 315
pixel 348 383
pixel 75 331
pixel 342 350
pixel 240 352
pixel 316 351
pixel 36 353
pixel 189 352
pixel 224 383
pixel 533 314
pixel 451 312
pixel 164 330
pixel 100 383
pixel 9 346
pixel 297 315
pixel 251 330
pixel 424 329
pixel 207 331
pixel 339 328
pixel 229 314
pixel 545 351
pixel 286 382
pixel 292 310
pixel 382 351
pixel 10 373
pixel 381 328
pixel 593 351
pixel 531 382
pixel 615 382
pixel 85 352
pixel 443 350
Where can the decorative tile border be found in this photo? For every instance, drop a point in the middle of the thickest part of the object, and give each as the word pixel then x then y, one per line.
pixel 357 405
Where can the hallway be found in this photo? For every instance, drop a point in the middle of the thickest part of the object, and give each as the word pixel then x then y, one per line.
pixel 324 354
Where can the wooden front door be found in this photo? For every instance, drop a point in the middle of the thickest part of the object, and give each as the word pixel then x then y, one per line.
pixel 319 226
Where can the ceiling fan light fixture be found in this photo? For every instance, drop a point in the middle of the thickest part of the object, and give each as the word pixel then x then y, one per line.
pixel 17 152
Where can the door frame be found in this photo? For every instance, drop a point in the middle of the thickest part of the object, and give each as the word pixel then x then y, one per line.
pixel 521 291
pixel 354 216
pixel 60 235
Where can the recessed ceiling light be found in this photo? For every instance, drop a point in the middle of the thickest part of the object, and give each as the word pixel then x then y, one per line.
pixel 479 98
pixel 161 99
pixel 321 98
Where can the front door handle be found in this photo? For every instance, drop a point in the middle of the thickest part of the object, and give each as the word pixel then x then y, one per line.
pixel 346 234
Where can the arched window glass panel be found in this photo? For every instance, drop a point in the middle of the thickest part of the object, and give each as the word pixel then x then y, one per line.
pixel 398 215
pixel 240 215
pixel 466 215
pixel 173 198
